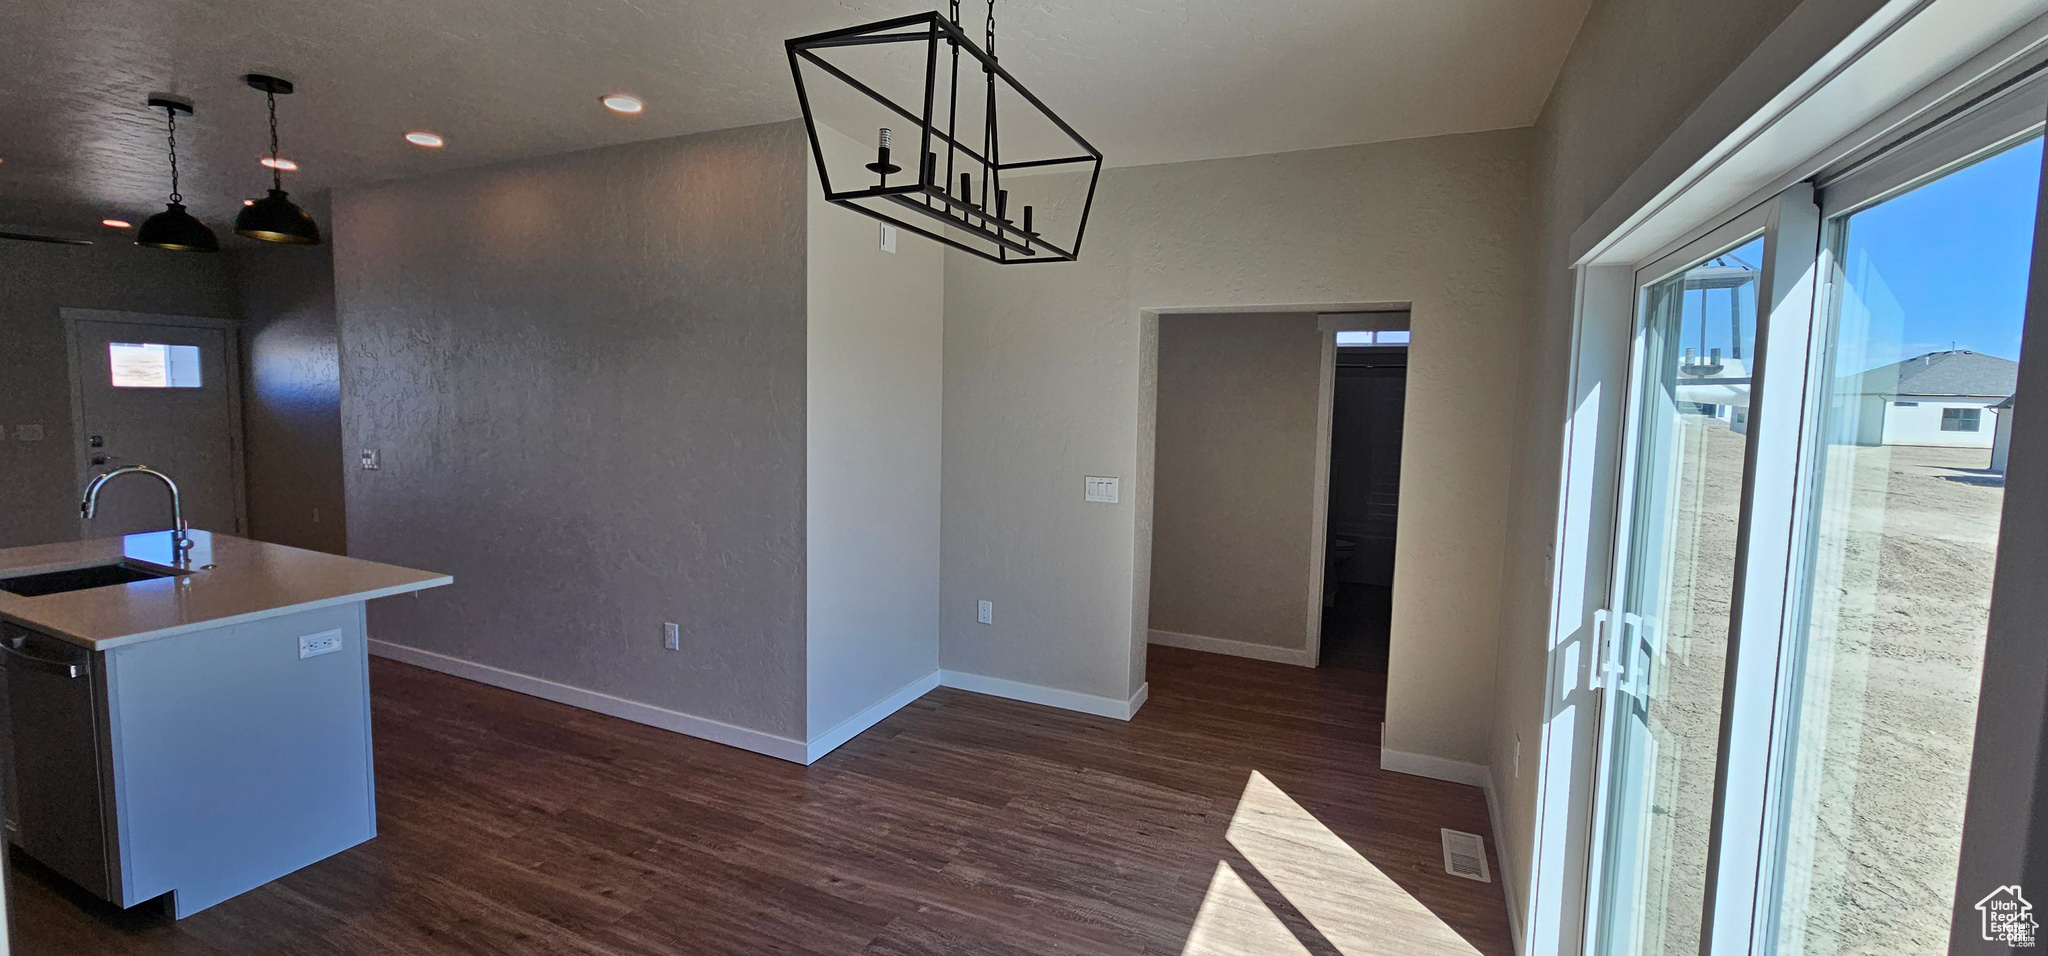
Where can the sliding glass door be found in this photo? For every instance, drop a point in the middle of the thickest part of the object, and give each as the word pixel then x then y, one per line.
pixel 1905 484
pixel 1821 404
pixel 1662 666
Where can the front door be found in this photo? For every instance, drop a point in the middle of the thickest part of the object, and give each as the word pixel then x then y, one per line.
pixel 162 391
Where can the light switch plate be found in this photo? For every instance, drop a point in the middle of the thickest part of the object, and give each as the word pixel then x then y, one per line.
pixel 28 433
pixel 370 459
pixel 1101 489
pixel 314 645
pixel 888 238
pixel 671 636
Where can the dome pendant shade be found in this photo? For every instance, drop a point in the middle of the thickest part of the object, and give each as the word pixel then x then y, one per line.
pixel 275 218
pixel 175 229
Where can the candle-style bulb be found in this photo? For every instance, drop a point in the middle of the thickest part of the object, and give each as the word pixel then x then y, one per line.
pixel 882 166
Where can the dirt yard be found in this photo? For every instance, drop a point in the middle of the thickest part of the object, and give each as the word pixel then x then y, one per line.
pixel 1895 650
pixel 1888 697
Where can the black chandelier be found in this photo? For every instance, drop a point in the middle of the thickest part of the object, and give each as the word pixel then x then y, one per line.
pixel 1022 193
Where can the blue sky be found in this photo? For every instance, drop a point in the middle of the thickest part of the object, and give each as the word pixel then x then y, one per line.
pixel 1954 256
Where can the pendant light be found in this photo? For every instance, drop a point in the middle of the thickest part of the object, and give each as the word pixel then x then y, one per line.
pixel 174 228
pixel 275 218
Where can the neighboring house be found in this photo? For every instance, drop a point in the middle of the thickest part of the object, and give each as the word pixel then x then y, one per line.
pixel 1941 398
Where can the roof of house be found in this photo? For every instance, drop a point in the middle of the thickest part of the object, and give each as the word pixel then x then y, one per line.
pixel 1960 372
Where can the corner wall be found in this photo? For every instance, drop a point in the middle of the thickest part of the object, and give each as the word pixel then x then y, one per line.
pixel 291 378
pixel 874 380
pixel 1047 381
pixel 584 375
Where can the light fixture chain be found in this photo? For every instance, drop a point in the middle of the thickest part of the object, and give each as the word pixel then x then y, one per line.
pixel 171 117
pixel 276 174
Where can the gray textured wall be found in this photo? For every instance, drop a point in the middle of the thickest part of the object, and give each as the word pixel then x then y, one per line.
pixel 38 480
pixel 291 378
pixel 585 375
pixel 1234 476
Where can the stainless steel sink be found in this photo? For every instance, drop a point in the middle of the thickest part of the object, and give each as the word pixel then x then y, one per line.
pixel 80 579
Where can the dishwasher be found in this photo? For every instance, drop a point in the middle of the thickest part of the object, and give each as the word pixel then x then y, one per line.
pixel 56 810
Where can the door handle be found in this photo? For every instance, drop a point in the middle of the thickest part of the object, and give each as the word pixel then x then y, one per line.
pixel 1596 651
pixel 60 668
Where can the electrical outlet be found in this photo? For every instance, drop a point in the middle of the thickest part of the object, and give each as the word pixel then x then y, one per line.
pixel 671 635
pixel 986 613
pixel 314 645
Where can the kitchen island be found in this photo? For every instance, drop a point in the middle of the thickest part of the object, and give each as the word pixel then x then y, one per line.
pixel 194 724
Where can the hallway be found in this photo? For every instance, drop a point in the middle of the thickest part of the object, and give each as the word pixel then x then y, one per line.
pixel 963 824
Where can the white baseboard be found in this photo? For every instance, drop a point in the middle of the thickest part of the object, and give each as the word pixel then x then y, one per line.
pixel 1049 696
pixel 783 748
pixel 1471 775
pixel 852 726
pixel 1435 768
pixel 1217 645
pixel 1500 854
pixel 794 751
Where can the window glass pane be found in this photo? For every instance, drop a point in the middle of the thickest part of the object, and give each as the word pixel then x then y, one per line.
pixel 1354 338
pixel 153 365
pixel 1907 476
pixel 1391 338
pixel 1691 411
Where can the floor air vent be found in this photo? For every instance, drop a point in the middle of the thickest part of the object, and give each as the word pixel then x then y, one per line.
pixel 1465 855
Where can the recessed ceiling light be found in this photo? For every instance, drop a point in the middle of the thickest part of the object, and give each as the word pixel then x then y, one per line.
pixel 623 103
pixel 114 223
pixel 278 162
pixel 248 202
pixel 420 137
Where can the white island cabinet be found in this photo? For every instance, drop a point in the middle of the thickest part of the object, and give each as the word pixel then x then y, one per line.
pixel 194 725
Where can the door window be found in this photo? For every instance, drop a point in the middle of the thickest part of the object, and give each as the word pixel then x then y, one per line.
pixel 153 365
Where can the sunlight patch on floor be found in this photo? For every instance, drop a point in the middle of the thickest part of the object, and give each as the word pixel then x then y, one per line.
pixel 1234 922
pixel 1357 908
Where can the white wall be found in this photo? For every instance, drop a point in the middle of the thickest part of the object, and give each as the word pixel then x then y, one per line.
pixel 871 462
pixel 1920 424
pixel 1048 380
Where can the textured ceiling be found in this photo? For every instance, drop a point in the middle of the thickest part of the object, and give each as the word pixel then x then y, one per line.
pixel 1149 81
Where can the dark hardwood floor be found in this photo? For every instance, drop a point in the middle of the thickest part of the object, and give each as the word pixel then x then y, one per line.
pixel 1242 811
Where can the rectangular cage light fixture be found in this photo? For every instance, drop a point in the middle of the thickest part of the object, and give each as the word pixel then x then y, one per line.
pixel 912 123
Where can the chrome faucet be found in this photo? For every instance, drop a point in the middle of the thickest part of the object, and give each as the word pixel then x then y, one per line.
pixel 180 541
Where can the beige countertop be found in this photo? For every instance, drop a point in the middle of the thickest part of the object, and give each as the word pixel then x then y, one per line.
pixel 232 580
